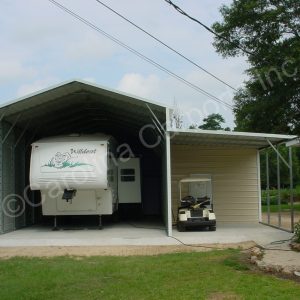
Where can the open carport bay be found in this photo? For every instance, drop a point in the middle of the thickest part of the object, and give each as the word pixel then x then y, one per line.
pixel 77 107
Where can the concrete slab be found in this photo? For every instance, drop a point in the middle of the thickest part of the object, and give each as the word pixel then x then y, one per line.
pixel 287 262
pixel 235 233
pixel 140 234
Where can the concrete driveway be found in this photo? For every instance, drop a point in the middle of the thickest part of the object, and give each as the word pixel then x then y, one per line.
pixel 140 234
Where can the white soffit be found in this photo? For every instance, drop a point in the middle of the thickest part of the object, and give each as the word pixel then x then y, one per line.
pixel 226 138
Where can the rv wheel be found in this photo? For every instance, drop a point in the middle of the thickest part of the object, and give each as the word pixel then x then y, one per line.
pixel 115 217
pixel 212 228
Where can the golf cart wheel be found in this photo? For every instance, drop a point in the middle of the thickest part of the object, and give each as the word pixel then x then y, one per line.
pixel 212 228
pixel 180 227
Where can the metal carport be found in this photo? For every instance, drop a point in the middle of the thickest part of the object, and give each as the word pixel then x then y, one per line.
pixel 77 106
pixel 73 107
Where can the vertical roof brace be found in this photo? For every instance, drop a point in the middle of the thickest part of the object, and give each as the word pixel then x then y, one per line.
pixel 154 116
pixel 11 128
pixel 158 128
pixel 22 134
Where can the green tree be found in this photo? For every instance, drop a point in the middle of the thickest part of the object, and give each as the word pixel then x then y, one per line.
pixel 270 31
pixel 212 122
pixel 193 126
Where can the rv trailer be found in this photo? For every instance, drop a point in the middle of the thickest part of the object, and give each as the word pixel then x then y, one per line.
pixel 76 174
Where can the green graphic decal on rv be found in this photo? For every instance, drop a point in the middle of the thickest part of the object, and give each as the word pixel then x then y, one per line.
pixel 64 160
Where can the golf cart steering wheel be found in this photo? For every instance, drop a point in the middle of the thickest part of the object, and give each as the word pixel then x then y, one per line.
pixel 189 199
pixel 205 202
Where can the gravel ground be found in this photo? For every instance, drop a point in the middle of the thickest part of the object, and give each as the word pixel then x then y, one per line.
pixel 8 252
pixel 285 219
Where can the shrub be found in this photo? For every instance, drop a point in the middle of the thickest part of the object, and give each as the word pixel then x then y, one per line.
pixel 273 201
pixel 285 196
pixel 297 232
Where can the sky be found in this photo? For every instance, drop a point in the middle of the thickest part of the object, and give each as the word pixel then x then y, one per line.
pixel 42 46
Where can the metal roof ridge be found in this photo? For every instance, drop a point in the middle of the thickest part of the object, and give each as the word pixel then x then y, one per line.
pixel 80 81
pixel 96 85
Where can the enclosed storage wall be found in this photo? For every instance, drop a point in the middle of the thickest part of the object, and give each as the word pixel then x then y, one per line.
pixel 12 183
pixel 234 179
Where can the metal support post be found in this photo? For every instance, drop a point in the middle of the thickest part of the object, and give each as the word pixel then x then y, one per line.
pixel 268 185
pixel 278 189
pixel 100 222
pixel 55 223
pixel 289 164
pixel 291 188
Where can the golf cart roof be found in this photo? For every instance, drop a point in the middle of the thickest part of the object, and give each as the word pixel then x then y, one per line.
pixel 194 179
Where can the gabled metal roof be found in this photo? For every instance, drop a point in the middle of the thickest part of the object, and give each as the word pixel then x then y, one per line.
pixel 72 87
pixel 80 107
pixel 220 138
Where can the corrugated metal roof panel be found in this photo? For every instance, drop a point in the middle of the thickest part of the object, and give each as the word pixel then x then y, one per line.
pixel 70 87
pixel 226 138
pixel 79 106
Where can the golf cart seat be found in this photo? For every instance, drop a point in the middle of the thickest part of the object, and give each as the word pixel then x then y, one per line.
pixel 202 199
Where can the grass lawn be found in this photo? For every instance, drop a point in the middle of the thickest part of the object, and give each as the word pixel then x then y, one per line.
pixel 206 275
pixel 284 207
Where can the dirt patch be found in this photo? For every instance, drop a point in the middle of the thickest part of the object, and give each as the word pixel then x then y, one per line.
pixel 295 246
pixel 223 296
pixel 285 219
pixel 78 251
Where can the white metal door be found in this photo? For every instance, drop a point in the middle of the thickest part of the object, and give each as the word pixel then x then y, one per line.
pixel 129 181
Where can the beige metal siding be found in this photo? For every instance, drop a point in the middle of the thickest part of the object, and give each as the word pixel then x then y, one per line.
pixel 234 179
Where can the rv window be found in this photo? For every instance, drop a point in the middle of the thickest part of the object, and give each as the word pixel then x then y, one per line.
pixel 127 175
pixel 127 172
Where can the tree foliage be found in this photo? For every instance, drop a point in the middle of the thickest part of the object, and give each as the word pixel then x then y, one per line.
pixel 176 116
pixel 211 122
pixel 270 31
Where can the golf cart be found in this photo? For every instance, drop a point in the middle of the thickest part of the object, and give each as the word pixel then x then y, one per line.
pixel 196 208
